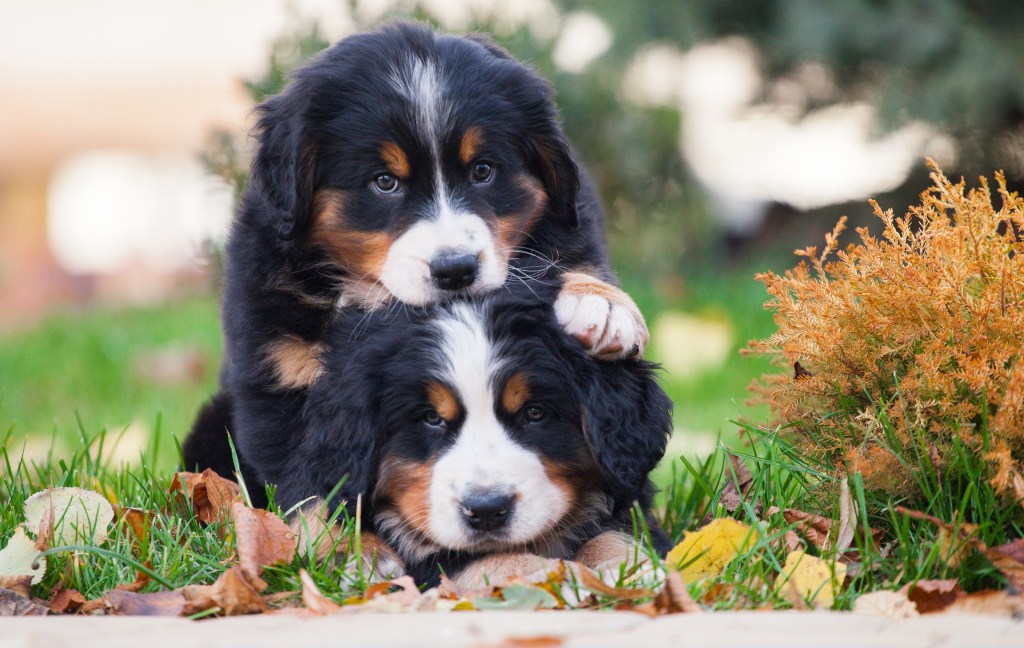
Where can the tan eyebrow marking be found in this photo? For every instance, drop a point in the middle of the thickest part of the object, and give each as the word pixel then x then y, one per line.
pixel 516 392
pixel 471 141
pixel 396 159
pixel 443 400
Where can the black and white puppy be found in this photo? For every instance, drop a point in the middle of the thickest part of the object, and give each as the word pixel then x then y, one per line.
pixel 476 432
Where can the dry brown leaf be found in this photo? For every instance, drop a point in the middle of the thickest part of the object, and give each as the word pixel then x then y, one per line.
pixel 1000 603
pixel 20 584
pixel 1009 559
pixel 232 594
pixel 137 521
pixel 313 599
pixel 66 600
pixel 211 494
pixel 14 604
pixel 815 528
pixel 885 603
pixel 675 598
pixel 593 582
pixel 954 542
pixel 44 534
pixel 933 595
pixel 123 602
pixel 737 483
pixel 262 539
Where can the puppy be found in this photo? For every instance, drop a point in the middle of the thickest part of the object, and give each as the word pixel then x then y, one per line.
pixel 477 433
pixel 401 167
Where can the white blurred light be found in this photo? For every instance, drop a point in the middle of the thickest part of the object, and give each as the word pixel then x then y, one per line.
pixel 749 154
pixel 584 38
pixel 110 211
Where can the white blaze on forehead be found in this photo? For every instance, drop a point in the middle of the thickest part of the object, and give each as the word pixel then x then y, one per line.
pixel 419 81
pixel 484 458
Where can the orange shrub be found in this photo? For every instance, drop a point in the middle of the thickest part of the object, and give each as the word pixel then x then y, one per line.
pixel 915 336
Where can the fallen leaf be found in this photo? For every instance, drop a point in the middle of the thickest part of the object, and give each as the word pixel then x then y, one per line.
pixel 886 603
pixel 123 602
pixel 737 483
pixel 816 528
pixel 44 534
pixel 313 599
pixel 593 582
pixel 706 552
pixel 77 515
pixel 675 598
pixel 808 579
pixel 20 585
pixel 933 595
pixel 232 594
pixel 21 558
pixel 137 521
pixel 14 604
pixel 262 539
pixel 517 596
pixel 211 494
pixel 66 600
pixel 847 518
pixel 955 542
pixel 1009 559
pixel 1000 603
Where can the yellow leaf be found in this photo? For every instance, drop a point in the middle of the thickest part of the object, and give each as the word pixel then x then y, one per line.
pixel 809 579
pixel 707 551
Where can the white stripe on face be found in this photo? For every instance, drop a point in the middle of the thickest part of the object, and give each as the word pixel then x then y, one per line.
pixel 484 458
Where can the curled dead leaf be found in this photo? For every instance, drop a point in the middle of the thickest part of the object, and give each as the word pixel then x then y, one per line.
pixel 932 595
pixel 1009 559
pixel 211 494
pixel 232 594
pixel 313 599
pixel 125 603
pixel 12 603
pixel 262 539
pixel 675 598
pixel 593 582
pixel 66 601
pixel 816 528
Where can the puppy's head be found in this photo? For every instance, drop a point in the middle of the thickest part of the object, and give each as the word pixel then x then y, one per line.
pixel 419 163
pixel 494 431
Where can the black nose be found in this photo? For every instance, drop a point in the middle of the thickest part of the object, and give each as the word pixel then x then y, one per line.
pixel 453 271
pixel 487 512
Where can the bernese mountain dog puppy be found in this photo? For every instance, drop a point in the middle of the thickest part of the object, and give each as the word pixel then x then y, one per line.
pixel 401 167
pixel 477 433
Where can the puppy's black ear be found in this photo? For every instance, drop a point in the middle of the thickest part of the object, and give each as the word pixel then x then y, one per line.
pixel 627 419
pixel 558 171
pixel 282 169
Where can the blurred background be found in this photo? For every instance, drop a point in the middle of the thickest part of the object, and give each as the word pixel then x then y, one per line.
pixel 723 135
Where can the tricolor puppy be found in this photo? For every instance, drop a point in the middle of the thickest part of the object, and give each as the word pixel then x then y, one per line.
pixel 403 167
pixel 476 430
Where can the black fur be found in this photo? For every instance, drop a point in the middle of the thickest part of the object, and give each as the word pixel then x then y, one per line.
pixel 609 421
pixel 324 131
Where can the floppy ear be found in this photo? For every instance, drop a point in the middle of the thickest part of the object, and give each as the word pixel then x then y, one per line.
pixel 282 169
pixel 627 419
pixel 550 153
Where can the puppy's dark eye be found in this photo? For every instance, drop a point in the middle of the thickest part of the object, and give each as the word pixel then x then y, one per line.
pixel 482 172
pixel 534 413
pixel 433 419
pixel 386 183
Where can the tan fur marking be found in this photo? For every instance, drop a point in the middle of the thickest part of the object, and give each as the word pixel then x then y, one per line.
pixel 516 392
pixel 564 480
pixel 361 253
pixel 407 484
pixel 296 362
pixel 443 400
pixel 513 229
pixel 396 159
pixel 611 547
pixel 470 145
pixel 578 283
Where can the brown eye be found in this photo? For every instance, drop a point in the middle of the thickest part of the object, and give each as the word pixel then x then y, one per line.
pixel 482 172
pixel 432 418
pixel 535 413
pixel 386 183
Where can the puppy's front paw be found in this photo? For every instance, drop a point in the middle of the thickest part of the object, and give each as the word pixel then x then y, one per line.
pixel 601 316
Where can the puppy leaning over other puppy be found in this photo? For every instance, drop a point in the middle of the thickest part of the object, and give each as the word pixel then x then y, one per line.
pixel 478 434
pixel 402 166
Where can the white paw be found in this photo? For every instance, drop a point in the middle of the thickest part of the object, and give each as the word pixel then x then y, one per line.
pixel 608 329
